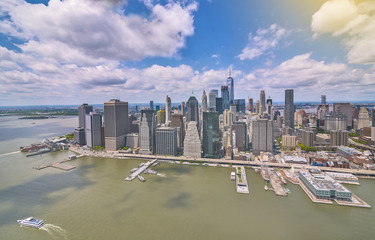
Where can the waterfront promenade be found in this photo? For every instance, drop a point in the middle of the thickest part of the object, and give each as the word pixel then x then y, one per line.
pixel 115 154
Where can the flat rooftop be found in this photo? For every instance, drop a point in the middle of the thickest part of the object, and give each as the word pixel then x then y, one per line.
pixel 323 182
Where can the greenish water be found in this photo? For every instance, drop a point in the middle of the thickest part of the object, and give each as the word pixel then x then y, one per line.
pixel 189 202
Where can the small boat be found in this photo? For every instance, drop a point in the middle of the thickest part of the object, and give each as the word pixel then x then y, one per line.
pixel 265 187
pixel 141 178
pixel 31 222
pixel 133 170
pixel 233 176
pixel 141 164
pixel 264 173
pixel 256 170
pixel 283 180
pixel 150 171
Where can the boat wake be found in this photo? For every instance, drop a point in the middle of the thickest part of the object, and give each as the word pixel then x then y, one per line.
pixel 55 232
pixel 7 154
pixel 161 174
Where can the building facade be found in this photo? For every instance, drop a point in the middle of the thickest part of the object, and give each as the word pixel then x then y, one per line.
pixel 166 141
pixel 262 136
pixel 289 108
pixel 192 143
pixel 211 135
pixel 147 132
pixel 93 129
pixel 116 124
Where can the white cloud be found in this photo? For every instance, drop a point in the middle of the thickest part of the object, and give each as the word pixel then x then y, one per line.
pixel 355 20
pixel 264 40
pixel 79 30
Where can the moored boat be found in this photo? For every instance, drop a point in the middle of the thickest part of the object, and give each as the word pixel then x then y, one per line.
pixel 141 178
pixel 264 173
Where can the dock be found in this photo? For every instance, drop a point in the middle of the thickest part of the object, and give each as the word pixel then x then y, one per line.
pixel 241 181
pixel 59 165
pixel 277 185
pixel 140 170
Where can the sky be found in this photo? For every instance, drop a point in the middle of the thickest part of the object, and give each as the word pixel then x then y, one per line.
pixel 74 51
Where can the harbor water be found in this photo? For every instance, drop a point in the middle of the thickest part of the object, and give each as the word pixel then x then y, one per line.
pixel 93 201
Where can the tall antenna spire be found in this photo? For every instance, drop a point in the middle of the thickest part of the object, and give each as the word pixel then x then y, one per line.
pixel 230 71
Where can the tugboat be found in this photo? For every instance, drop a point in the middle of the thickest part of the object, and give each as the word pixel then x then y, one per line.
pixel 31 222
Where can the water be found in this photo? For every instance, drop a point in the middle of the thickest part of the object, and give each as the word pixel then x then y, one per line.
pixel 93 201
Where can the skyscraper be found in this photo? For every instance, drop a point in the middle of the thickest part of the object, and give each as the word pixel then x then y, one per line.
pixel 225 97
pixel 183 109
pixel 269 106
pixel 289 108
pixel 147 132
pixel 323 100
pixel 257 107
pixel 82 111
pixel 373 125
pixel 212 99
pixel 363 119
pixel 168 110
pixel 240 105
pixel 192 143
pixel 93 129
pixel 230 84
pixel 211 135
pixel 152 105
pixel 344 109
pixel 193 110
pixel 177 121
pixel 251 107
pixel 219 105
pixel 240 136
pixel 262 136
pixel 204 101
pixel 160 117
pixel 262 101
pixel 116 124
pixel 166 141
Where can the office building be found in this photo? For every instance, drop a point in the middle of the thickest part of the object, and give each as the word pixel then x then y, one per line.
pixel 262 101
pixel 230 84
pixel 166 141
pixel 335 122
pixel 257 107
pixel 339 138
pixel 79 136
pixel 251 108
pixel 269 106
pixel 289 108
pixel 229 146
pixel 82 111
pixel 204 101
pixel 228 118
pixel 262 136
pixel 177 121
pixel 289 141
pixel 211 135
pixel 133 124
pixel 93 130
pixel 168 110
pixel 212 99
pixel 225 97
pixel 240 105
pixel 323 100
pixel 152 105
pixel 157 108
pixel 346 110
pixel 116 124
pixel 132 140
pixel 219 105
pixel 147 132
pixel 192 143
pixel 240 137
pixel 373 126
pixel 193 110
pixel 363 119
pixel 160 117
pixel 183 109
pixel 308 138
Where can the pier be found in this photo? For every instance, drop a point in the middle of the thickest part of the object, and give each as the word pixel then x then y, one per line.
pixel 59 165
pixel 140 170
pixel 277 185
pixel 241 181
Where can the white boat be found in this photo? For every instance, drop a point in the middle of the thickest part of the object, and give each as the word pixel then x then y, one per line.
pixel 265 187
pixel 150 171
pixel 31 222
pixel 133 170
pixel 141 178
pixel 233 176
pixel 141 164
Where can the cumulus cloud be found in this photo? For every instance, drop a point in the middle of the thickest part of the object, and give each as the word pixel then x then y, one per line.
pixel 95 29
pixel 263 41
pixel 355 21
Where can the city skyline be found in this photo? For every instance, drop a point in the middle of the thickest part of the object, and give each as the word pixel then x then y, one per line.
pixel 69 52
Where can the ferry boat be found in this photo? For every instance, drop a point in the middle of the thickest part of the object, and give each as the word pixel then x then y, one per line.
pixel 233 176
pixel 141 178
pixel 31 222
pixel 264 173
pixel 32 147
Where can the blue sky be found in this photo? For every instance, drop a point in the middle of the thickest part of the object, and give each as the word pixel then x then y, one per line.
pixel 69 52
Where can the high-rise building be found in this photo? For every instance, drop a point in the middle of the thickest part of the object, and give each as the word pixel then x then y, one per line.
pixel 116 124
pixel 344 109
pixel 279 121
pixel 251 108
pixel 269 106
pixel 240 136
pixel 230 84
pixel 204 101
pixel 82 111
pixel 152 105
pixel 219 105
pixel 79 136
pixel 157 108
pixel 373 125
pixel 322 112
pixel 308 138
pixel 323 100
pixel 262 136
pixel 228 118
pixel 93 129
pixel 168 110
pixel 339 138
pixel 257 107
pixel 240 105
pixel 211 135
pixel 262 101
pixel 177 121
pixel 289 108
pixel 212 99
pixel 363 119
pixel 193 110
pixel 133 124
pixel 147 132
pixel 166 141
pixel 335 122
pixel 225 97
pixel 183 109
pixel 160 117
pixel 289 142
pixel 192 143
pixel 229 146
